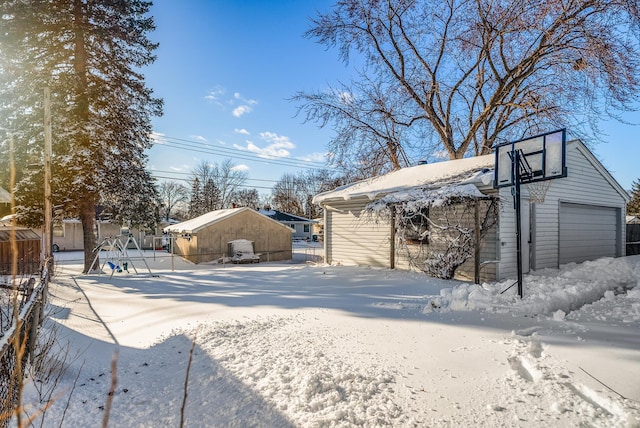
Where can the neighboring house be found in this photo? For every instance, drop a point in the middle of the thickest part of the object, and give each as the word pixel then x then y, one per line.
pixel 28 251
pixel 302 227
pixel 582 217
pixel 207 237
pixel 5 202
pixel 68 234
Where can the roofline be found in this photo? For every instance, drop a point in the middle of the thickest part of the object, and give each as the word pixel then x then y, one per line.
pixel 231 214
pixel 601 169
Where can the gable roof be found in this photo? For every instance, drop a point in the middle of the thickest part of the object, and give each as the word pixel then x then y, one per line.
pixel 282 216
pixel 600 168
pixel 477 170
pixel 474 169
pixel 198 223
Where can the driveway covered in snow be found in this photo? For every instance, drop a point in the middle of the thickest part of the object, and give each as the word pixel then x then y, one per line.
pixel 299 344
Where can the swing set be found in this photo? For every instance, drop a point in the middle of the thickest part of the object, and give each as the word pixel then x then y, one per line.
pixel 117 255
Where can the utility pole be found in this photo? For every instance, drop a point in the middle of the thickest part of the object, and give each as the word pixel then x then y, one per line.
pixel 48 220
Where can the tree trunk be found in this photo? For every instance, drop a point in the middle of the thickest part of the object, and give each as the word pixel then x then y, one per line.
pixel 88 219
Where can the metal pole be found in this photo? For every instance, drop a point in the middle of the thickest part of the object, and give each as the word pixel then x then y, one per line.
pixel 516 172
pixel 48 223
pixel 392 241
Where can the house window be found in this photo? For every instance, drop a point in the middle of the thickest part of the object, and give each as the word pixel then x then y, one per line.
pixel 414 226
pixel 58 229
pixel 306 228
pixel 292 226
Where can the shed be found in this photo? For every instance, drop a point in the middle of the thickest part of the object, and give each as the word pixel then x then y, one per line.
pixel 28 250
pixel 207 237
pixel 581 218
pixel 301 227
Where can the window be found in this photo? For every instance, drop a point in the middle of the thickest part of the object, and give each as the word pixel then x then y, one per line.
pixel 306 228
pixel 58 229
pixel 414 225
pixel 292 226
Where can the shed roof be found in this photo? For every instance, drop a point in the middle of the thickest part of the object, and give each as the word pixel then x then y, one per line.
pixel 22 234
pixel 198 223
pixel 474 169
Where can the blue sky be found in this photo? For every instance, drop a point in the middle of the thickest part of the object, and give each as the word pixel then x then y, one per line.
pixel 226 70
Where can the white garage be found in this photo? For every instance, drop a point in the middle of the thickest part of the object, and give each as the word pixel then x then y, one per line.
pixel 588 232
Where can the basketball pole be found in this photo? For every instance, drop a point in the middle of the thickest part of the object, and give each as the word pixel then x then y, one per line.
pixel 515 171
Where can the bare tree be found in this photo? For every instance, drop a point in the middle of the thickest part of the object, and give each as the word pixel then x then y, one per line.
pixel 285 195
pixel 468 74
pixel 221 182
pixel 172 195
pixel 247 198
pixel 293 193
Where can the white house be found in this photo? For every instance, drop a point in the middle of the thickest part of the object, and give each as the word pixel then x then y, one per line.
pixel 582 216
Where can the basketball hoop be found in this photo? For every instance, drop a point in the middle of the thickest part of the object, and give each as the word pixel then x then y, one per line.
pixel 538 190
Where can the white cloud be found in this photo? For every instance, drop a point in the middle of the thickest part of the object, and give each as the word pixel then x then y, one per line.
pixel 198 138
pixel 240 110
pixel 314 157
pixel 246 105
pixel 157 138
pixel 215 94
pixel 241 131
pixel 241 167
pixel 278 147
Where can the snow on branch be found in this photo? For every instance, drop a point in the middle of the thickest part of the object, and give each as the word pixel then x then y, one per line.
pixel 435 229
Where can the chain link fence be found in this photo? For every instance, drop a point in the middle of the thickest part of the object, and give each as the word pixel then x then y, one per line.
pixel 21 313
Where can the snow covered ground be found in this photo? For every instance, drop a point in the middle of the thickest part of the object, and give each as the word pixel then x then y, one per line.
pixel 304 345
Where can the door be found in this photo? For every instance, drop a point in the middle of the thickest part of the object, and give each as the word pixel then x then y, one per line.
pixel 588 232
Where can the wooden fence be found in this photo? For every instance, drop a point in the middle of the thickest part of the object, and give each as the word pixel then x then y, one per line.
pixel 633 239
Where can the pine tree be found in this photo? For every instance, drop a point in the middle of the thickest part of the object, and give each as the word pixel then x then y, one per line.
pixel 633 207
pixel 89 53
pixel 196 206
pixel 210 196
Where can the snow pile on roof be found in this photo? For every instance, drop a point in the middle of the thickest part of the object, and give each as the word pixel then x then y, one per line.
pixel 195 224
pixel 475 169
pixel 552 292
pixel 417 198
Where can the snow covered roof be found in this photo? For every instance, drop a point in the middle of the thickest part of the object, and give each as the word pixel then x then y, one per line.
pixel 282 216
pixel 478 169
pixel 196 224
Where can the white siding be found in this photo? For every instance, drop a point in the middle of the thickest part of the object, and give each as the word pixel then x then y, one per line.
pixel 353 237
pixel 507 248
pixel 586 183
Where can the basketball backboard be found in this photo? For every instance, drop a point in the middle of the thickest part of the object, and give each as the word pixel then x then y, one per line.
pixel 543 157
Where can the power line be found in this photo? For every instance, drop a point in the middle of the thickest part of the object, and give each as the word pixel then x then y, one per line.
pixel 184 144
pixel 190 174
pixel 189 181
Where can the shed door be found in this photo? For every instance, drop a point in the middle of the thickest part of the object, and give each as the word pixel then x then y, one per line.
pixel 587 232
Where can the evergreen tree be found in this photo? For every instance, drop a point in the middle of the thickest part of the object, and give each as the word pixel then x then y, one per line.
pixel 89 53
pixel 633 207
pixel 210 196
pixel 196 206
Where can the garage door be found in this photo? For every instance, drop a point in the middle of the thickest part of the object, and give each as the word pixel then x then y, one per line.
pixel 588 232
